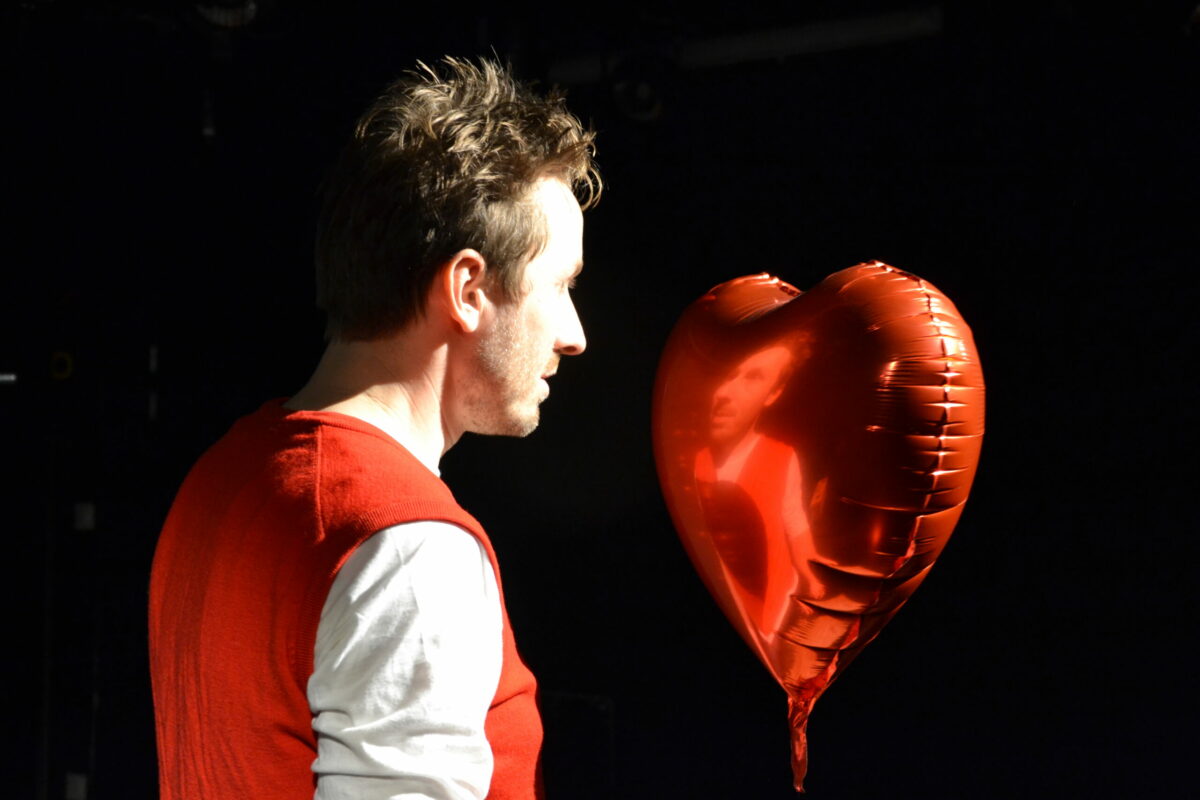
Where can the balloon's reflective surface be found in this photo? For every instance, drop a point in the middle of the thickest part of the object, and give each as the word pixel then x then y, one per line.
pixel 815 450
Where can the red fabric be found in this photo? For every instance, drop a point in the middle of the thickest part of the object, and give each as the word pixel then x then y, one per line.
pixel 247 555
pixel 754 544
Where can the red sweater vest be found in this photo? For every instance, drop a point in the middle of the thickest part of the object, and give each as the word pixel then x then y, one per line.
pixel 247 555
pixel 745 519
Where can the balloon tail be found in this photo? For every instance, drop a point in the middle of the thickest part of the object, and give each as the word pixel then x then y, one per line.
pixel 798 708
pixel 801 697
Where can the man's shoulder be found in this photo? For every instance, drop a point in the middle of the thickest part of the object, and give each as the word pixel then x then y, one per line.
pixel 370 459
pixel 336 471
pixel 768 443
pixel 277 451
pixel 339 441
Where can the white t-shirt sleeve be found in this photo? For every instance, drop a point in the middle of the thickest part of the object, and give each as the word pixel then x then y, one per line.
pixel 406 663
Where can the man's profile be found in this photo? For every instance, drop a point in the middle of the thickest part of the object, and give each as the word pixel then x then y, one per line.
pixel 325 619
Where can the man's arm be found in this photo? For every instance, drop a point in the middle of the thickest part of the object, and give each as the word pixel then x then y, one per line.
pixel 407 659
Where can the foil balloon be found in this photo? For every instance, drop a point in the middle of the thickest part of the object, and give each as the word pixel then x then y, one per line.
pixel 815 450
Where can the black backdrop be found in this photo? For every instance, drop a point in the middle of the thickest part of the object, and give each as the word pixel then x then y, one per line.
pixel 1037 164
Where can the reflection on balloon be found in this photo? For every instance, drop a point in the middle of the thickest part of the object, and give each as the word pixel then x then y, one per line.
pixel 815 450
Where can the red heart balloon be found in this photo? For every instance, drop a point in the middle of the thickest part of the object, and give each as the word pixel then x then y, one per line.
pixel 815 450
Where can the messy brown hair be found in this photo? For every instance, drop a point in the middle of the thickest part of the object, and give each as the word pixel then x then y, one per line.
pixel 444 160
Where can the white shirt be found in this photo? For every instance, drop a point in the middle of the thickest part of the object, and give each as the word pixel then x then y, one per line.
pixel 406 663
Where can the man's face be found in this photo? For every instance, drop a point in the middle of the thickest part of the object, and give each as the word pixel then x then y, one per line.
pixel 750 387
pixel 521 351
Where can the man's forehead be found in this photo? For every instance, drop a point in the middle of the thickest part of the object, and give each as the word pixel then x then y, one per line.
pixel 562 256
pixel 555 196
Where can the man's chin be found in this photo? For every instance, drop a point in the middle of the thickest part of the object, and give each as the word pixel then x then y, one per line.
pixel 526 428
pixel 519 424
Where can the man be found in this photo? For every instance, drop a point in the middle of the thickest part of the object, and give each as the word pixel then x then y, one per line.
pixel 325 620
pixel 750 484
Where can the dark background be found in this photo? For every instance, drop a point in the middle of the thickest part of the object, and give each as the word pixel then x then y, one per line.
pixel 1036 163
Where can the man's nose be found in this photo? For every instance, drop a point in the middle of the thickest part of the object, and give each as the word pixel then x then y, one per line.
pixel 571 340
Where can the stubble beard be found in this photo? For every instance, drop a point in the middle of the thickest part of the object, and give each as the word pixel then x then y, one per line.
pixel 503 400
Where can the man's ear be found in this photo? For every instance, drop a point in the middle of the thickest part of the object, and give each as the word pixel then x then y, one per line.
pixel 463 285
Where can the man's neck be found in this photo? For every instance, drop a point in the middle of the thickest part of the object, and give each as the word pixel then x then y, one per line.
pixel 395 384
